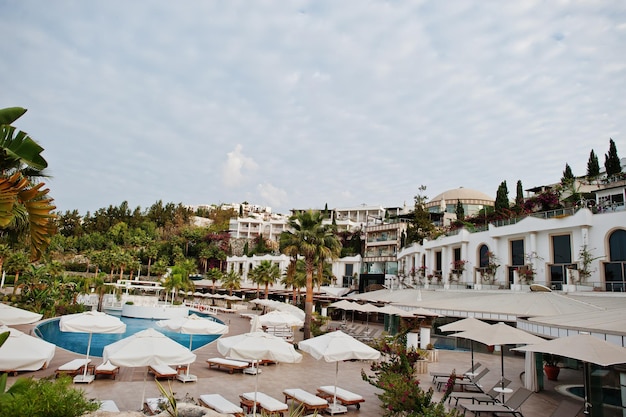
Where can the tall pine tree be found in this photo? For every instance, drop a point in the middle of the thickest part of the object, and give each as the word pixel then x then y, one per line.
pixel 611 161
pixel 519 197
pixel 502 197
pixel 460 211
pixel 593 166
pixel 568 175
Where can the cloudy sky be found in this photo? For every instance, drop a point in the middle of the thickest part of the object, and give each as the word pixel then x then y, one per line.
pixel 298 104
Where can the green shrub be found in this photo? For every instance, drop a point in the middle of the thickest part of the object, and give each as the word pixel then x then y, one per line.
pixel 45 398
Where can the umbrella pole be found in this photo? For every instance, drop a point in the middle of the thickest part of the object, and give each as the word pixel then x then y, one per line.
pixel 336 373
pixel 502 370
pixel 472 350
pixel 587 385
pixel 256 386
pixel 190 342
pixel 87 356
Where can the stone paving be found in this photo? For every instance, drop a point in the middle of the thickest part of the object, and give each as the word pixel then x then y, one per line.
pixel 127 389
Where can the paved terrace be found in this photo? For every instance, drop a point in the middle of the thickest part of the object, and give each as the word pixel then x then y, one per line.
pixel 126 389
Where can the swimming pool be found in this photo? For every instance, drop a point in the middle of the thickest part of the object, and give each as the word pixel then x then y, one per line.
pixel 77 342
pixel 610 396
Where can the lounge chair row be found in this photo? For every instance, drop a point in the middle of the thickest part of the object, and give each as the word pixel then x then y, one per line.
pixel 268 405
pixel 77 367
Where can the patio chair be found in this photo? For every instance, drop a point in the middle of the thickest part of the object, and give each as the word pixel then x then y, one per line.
pixel 265 403
pixel 567 409
pixel 488 397
pixel 220 404
pixel 470 382
pixel 106 368
pixel 344 396
pixel 511 406
pixel 72 368
pixel 309 402
pixel 465 375
pixel 162 371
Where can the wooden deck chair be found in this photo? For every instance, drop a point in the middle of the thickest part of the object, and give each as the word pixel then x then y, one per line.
pixel 511 406
pixel 567 409
pixel 465 375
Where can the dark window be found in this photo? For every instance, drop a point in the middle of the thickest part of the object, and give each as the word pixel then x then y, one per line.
pixel 517 252
pixel 484 257
pixel 562 248
pixel 349 269
pixel 457 254
pixel 617 246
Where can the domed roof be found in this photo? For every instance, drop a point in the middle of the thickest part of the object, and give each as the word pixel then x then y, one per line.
pixel 462 194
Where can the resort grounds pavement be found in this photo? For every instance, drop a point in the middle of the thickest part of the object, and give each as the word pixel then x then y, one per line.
pixel 127 388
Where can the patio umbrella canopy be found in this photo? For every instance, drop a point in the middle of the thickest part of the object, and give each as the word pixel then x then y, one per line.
pixel 366 308
pixel 257 346
pixel 192 324
pixel 463 325
pixel 500 334
pixel 585 348
pixel 22 352
pixel 145 348
pixel 13 316
pixel 335 347
pixel 277 318
pixel 90 322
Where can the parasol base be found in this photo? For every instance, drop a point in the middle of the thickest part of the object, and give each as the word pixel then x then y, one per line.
pixel 84 379
pixel 186 378
pixel 336 409
pixel 252 371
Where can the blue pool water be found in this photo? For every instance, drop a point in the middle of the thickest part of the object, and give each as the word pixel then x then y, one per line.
pixel 77 342
pixel 610 396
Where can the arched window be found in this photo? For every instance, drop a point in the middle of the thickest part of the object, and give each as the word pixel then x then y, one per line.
pixel 617 246
pixel 615 269
pixel 483 256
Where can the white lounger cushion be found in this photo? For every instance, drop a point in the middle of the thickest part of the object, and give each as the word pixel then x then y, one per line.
pixel 108 405
pixel 341 393
pixel 220 404
pixel 305 397
pixel 230 362
pixel 163 369
pixel 74 364
pixel 106 366
pixel 266 402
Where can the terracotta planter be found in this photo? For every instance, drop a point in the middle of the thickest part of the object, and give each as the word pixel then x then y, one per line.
pixel 552 372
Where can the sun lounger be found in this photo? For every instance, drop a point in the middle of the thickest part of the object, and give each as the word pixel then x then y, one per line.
pixel 72 368
pixel 488 397
pixel 220 404
pixel 152 406
pixel 345 397
pixel 265 403
pixel 162 371
pixel 308 401
pixel 567 409
pixel 108 405
pixel 470 383
pixel 231 364
pixel 107 368
pixel 511 406
pixel 465 374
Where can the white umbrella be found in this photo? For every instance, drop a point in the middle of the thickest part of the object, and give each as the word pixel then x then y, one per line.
pixel 192 324
pixel 500 334
pixel 90 322
pixel 280 318
pixel 145 348
pixel 367 308
pixel 22 352
pixel 335 347
pixel 257 346
pixel 395 311
pixel 12 316
pixel 585 348
pixel 464 325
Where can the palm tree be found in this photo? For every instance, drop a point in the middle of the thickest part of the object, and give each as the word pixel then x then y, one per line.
pixel 25 207
pixel 231 281
pixel 266 273
pixel 214 275
pixel 314 242
pixel 295 278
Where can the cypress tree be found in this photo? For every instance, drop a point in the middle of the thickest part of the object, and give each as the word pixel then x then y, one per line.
pixel 519 196
pixel 460 211
pixel 611 161
pixel 593 166
pixel 568 175
pixel 502 197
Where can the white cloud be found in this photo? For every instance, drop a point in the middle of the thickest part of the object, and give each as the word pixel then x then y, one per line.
pixel 272 196
pixel 236 167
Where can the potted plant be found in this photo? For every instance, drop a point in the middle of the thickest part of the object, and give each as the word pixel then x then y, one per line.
pixel 489 273
pixel 551 366
pixel 526 274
